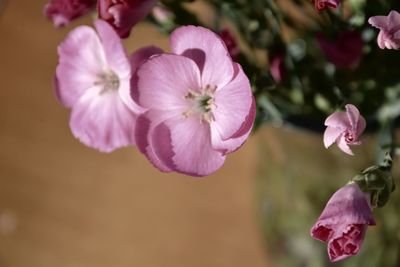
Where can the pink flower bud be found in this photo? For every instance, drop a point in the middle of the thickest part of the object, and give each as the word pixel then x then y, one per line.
pixel 389 26
pixel 345 51
pixel 124 14
pixel 322 4
pixel 344 128
pixel 343 222
pixel 277 67
pixel 61 12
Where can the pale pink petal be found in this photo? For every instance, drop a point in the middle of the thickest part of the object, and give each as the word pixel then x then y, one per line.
pixel 232 103
pixel 353 115
pixel 338 119
pixel 381 40
pixel 101 120
pixel 341 143
pixel 81 59
pixel 394 19
pixel 331 134
pixel 117 59
pixel 380 22
pixel 237 140
pixel 208 50
pixel 190 142
pixel 136 60
pixel 361 126
pixel 164 81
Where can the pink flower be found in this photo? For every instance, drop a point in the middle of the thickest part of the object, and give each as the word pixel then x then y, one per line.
pixel 61 12
pixel 389 26
pixel 343 52
pixel 230 43
pixel 200 105
pixel 322 4
pixel 344 128
pixel 343 222
pixel 93 79
pixel 124 14
pixel 277 67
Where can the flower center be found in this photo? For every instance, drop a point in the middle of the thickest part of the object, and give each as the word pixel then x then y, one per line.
pixel 108 80
pixel 349 137
pixel 201 103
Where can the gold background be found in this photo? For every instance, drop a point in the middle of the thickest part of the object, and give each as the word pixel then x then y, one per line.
pixel 65 205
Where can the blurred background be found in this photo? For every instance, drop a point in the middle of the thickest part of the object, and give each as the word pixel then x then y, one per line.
pixel 65 205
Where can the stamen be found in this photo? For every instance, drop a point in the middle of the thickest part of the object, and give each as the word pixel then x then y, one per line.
pixel 108 80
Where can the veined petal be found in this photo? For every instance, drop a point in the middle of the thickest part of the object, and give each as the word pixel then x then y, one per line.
pixel 353 115
pixel 81 59
pixel 144 130
pixel 136 60
pixel 208 50
pixel 164 81
pixel 189 141
pixel 117 59
pixel 101 120
pixel 237 140
pixel 233 103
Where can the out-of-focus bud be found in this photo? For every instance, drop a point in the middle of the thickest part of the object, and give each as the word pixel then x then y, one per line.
pixel 230 43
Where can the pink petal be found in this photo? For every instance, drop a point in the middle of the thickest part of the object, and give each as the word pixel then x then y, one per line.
pixel 237 140
pixel 394 19
pixel 190 143
pixel 338 119
pixel 361 126
pixel 144 129
pixel 380 22
pixel 381 40
pixel 81 59
pixel 342 144
pixel 208 50
pixel 164 80
pixel 233 103
pixel 117 59
pixel 331 134
pixel 101 120
pixel 136 60
pixel 353 115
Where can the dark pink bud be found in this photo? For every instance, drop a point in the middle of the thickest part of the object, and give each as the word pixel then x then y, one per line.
pixel 124 14
pixel 343 222
pixel 230 43
pixel 322 4
pixel 277 67
pixel 61 12
pixel 345 51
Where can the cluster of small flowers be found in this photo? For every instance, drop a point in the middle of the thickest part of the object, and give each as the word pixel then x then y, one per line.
pixel 344 221
pixel 185 110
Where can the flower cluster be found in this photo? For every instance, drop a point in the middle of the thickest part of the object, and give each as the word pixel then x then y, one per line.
pixel 185 110
pixel 188 108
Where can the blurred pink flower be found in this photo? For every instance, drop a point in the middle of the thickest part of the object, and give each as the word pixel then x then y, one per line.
pixel 200 104
pixel 343 222
pixel 344 128
pixel 277 67
pixel 322 4
pixel 345 51
pixel 93 79
pixel 389 26
pixel 61 12
pixel 124 14
pixel 230 43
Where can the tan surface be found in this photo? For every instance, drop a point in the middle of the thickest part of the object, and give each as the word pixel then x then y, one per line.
pixel 73 206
